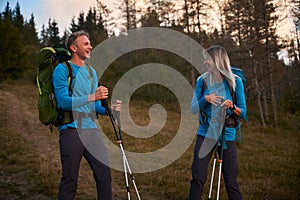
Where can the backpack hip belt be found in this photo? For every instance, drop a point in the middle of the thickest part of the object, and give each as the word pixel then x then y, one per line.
pixel 80 115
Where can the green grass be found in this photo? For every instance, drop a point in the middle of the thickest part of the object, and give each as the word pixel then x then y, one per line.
pixel 269 163
pixel 20 175
pixel 269 159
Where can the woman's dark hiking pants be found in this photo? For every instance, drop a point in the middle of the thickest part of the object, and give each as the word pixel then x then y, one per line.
pixel 229 171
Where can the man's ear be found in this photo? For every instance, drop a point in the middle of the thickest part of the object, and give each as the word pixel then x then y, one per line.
pixel 73 48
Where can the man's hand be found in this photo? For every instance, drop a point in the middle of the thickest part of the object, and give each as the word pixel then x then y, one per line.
pixel 101 93
pixel 117 106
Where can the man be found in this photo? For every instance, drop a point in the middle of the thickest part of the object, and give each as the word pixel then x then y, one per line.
pixel 80 137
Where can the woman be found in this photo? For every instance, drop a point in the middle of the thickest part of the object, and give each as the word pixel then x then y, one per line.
pixel 213 93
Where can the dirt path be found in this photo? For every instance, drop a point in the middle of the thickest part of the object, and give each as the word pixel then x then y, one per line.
pixel 19 116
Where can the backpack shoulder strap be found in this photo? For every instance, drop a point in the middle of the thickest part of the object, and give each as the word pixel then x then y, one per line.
pixel 90 71
pixel 70 75
pixel 233 95
pixel 203 86
pixel 90 76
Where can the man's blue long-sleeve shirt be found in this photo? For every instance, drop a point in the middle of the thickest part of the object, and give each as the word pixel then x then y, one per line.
pixel 83 84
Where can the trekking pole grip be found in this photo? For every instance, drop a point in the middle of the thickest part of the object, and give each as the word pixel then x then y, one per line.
pixel 105 105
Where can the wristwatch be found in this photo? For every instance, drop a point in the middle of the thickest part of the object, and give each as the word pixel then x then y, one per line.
pixel 233 107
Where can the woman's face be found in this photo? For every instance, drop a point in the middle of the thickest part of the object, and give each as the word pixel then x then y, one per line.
pixel 209 62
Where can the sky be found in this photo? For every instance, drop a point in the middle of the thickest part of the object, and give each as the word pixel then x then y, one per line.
pixel 62 11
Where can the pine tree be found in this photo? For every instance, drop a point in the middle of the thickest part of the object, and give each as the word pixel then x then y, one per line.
pixel 30 32
pixel 63 39
pixel 73 26
pixel 130 11
pixel 296 20
pixel 44 37
pixel 93 24
pixel 81 21
pixel 13 57
pixel 18 19
pixel 251 24
pixel 150 19
pixel 31 41
pixel 53 32
pixel 7 14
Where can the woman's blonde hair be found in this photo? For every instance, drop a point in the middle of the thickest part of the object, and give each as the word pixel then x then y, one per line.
pixel 220 57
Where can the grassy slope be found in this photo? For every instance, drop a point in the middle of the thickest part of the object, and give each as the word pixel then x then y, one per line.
pixel 269 160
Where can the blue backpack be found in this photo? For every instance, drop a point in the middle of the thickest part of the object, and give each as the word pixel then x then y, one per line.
pixel 239 72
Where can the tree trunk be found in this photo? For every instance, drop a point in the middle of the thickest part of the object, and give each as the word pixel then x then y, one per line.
pixel 270 67
pixel 298 44
pixel 186 16
pixel 264 94
pixel 187 25
pixel 198 21
pixel 258 94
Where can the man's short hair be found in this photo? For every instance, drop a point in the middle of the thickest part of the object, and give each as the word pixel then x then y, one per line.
pixel 73 36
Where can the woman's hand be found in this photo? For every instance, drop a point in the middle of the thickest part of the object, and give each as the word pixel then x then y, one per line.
pixel 228 104
pixel 214 99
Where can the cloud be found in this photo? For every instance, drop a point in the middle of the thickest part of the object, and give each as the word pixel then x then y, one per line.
pixel 63 11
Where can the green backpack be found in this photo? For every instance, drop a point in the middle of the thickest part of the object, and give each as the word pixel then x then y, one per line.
pixel 48 58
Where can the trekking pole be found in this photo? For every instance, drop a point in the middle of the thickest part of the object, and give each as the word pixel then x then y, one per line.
pixel 221 159
pixel 120 142
pixel 213 172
